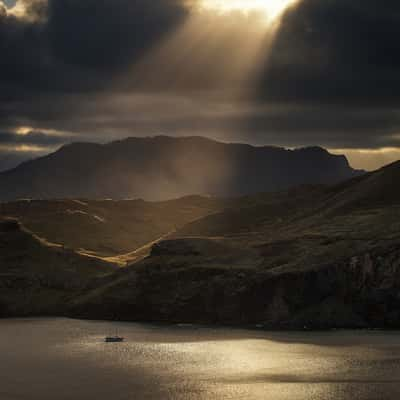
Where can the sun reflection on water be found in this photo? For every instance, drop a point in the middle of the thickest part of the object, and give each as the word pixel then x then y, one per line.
pixel 193 363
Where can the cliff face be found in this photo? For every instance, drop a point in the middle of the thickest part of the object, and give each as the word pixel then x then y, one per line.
pixel 359 292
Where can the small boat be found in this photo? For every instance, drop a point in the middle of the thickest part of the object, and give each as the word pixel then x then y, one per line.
pixel 114 339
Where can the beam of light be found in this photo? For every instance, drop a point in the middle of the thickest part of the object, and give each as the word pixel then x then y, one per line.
pixel 270 8
pixel 211 50
pixel 213 57
pixel 222 46
pixel 207 52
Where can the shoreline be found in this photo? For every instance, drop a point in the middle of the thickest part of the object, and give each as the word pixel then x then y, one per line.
pixel 195 325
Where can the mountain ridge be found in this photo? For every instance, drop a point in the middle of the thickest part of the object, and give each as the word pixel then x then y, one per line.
pixel 164 167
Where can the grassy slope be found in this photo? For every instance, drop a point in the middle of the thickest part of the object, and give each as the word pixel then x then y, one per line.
pixel 107 228
pixel 312 225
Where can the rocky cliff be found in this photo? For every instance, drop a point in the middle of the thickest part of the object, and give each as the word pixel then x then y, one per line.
pixel 359 292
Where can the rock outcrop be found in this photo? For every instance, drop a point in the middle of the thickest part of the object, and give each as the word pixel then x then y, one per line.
pixel 360 292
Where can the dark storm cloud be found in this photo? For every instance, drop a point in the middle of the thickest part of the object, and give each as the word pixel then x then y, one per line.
pixel 75 45
pixel 337 51
pixel 331 78
pixel 104 34
pixel 119 115
pixel 58 57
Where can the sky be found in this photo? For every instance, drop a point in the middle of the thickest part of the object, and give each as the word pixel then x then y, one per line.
pixel 291 73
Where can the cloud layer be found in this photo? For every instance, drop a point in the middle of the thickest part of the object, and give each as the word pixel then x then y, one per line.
pixel 68 67
pixel 337 51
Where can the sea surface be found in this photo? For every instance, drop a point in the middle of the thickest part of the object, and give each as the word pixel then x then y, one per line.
pixel 62 359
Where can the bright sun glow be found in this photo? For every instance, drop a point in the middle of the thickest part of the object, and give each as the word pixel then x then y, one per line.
pixel 271 8
pixel 23 130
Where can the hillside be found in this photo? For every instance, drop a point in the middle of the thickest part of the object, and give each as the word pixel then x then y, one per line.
pixel 316 257
pixel 163 167
pixel 37 278
pixel 108 228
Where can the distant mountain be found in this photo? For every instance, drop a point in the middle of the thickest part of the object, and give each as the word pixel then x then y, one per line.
pixel 9 161
pixel 164 167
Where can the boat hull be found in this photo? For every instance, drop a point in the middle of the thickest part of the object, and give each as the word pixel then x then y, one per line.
pixel 114 339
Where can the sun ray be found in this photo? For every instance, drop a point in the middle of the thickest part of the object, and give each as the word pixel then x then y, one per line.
pixel 207 51
pixel 218 53
pixel 270 8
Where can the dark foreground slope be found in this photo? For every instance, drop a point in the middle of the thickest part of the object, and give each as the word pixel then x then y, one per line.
pixel 163 168
pixel 37 278
pixel 314 257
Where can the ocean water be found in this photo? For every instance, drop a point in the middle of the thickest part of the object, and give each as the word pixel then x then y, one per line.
pixel 62 359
